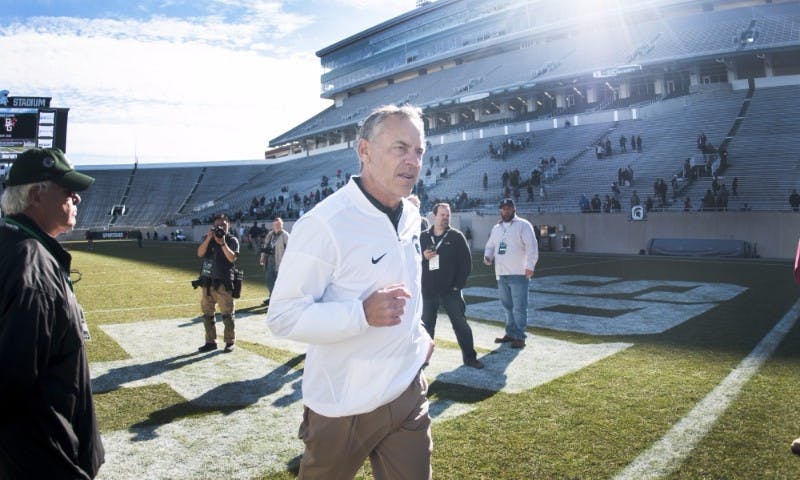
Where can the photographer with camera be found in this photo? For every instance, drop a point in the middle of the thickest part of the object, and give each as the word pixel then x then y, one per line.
pixel 272 253
pixel 219 251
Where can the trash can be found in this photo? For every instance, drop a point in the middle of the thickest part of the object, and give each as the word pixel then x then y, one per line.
pixel 568 242
pixel 553 242
pixel 544 243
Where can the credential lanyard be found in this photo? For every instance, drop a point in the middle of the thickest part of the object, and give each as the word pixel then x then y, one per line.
pixel 436 247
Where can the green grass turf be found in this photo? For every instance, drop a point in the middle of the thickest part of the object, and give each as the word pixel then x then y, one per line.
pixel 586 425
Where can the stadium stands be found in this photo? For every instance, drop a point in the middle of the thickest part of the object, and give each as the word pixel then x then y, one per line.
pixel 762 155
pixel 665 78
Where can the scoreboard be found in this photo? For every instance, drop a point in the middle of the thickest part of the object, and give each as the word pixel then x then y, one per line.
pixel 28 122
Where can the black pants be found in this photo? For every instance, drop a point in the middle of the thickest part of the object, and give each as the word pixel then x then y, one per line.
pixel 454 305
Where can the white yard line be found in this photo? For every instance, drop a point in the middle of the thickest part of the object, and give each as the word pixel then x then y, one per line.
pixel 666 455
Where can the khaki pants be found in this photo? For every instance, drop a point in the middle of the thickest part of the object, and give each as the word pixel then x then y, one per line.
pixel 396 437
pixel 217 296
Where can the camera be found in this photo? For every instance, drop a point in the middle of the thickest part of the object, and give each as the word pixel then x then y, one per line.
pixel 219 231
pixel 269 250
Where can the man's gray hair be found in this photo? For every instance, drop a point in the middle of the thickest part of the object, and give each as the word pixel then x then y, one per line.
pixel 16 198
pixel 377 117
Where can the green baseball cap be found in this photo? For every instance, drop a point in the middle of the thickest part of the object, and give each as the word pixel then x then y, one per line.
pixel 41 164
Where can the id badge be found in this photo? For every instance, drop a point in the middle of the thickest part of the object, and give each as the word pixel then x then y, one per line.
pixel 205 270
pixel 433 263
pixel 85 327
pixel 501 249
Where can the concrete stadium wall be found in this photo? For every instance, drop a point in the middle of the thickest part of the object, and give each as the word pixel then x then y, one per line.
pixel 772 234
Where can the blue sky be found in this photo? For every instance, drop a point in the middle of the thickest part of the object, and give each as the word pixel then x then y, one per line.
pixel 176 80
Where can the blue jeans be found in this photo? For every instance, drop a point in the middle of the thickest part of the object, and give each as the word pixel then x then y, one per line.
pixel 453 303
pixel 270 273
pixel 513 290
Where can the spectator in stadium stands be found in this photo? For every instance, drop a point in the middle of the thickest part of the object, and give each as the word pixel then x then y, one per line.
pixel 48 427
pixel 701 141
pixel 616 207
pixel 513 249
pixel 586 207
pixel 635 199
pixel 623 143
pixel 674 183
pixel 723 157
pixel 722 198
pixel 446 265
pixel 608 147
pixel 648 204
pixel 596 203
pixel 735 187
pixel 708 202
pixel 687 204
pixel 794 200
pixel 598 150
pixel 219 251
pixel 353 294
pixel 485 180
pixel 607 204
pixel 272 253
pixel 639 143
pixel 661 190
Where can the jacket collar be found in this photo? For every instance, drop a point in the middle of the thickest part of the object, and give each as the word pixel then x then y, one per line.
pixel 393 214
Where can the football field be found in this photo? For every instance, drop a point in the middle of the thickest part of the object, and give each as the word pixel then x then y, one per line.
pixel 636 367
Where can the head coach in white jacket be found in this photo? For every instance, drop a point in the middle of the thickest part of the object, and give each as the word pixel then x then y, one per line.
pixel 351 290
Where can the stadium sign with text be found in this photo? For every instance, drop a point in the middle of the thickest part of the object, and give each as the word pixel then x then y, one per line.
pixel 29 122
pixel 614 71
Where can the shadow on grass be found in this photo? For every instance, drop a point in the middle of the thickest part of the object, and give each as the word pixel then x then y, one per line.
pixel 115 377
pixel 443 392
pixel 227 398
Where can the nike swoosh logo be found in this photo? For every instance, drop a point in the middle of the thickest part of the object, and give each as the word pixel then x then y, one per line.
pixel 376 260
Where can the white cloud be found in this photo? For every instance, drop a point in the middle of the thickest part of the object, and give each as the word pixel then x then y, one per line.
pixel 215 86
pixel 175 89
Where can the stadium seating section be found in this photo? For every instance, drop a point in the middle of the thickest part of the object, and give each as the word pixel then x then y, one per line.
pixel 760 128
pixel 762 155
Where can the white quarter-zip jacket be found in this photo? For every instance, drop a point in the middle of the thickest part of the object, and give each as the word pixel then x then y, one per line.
pixel 342 251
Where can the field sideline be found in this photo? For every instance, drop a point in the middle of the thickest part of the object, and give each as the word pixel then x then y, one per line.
pixel 637 367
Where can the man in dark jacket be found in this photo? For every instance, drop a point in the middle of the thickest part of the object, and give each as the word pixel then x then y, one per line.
pixel 48 427
pixel 446 264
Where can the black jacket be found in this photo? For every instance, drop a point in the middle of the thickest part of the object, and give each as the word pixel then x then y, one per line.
pixel 221 268
pixel 455 262
pixel 48 427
